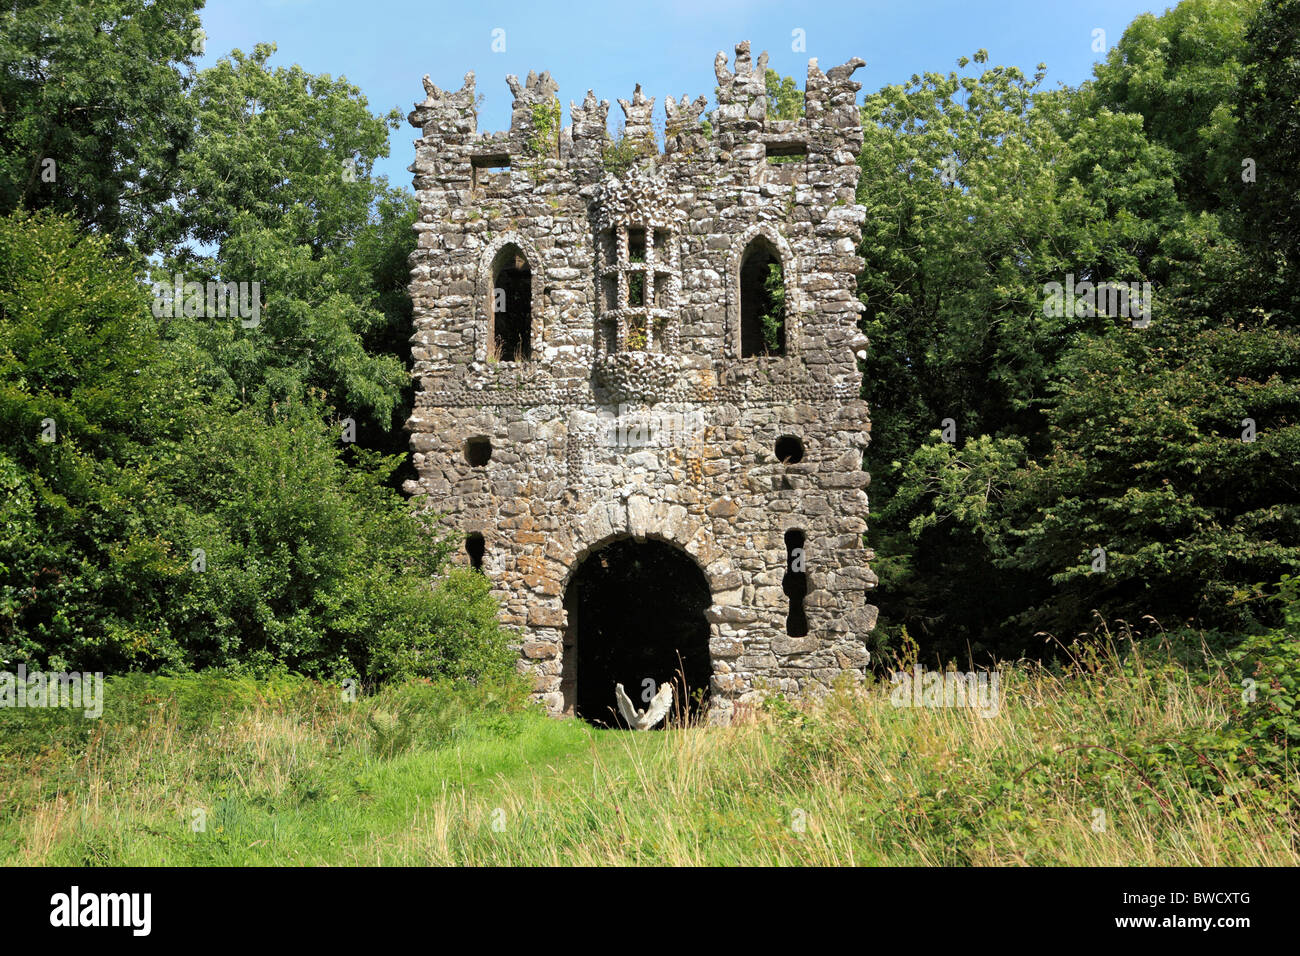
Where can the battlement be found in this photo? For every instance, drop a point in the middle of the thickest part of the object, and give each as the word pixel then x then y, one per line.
pixel 738 129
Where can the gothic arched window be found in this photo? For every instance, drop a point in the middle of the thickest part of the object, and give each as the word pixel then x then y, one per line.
pixel 762 300
pixel 510 308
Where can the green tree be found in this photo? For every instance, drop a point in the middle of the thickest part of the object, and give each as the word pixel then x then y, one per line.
pixel 276 188
pixel 1173 451
pixel 784 98
pixel 85 389
pixel 1269 138
pixel 169 525
pixel 1179 71
pixel 980 190
pixel 279 148
pixel 92 108
pixel 1173 446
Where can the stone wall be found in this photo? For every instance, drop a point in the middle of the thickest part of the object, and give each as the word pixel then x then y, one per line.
pixel 665 430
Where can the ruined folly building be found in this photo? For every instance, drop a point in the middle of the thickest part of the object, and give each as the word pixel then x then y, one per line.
pixel 638 384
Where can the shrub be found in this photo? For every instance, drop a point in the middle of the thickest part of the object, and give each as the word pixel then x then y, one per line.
pixel 171 527
pixel 1265 721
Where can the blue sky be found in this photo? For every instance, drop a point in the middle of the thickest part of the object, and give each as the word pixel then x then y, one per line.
pixel 386 46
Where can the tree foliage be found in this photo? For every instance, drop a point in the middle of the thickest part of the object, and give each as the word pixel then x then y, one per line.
pixel 1180 72
pixel 276 189
pixel 93 112
pixel 1167 447
pixel 195 504
pixel 1268 135
pixel 167 525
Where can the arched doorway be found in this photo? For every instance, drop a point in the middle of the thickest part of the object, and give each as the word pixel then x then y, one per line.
pixel 636 618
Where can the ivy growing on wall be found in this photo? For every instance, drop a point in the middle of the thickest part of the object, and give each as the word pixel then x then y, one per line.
pixel 773 318
pixel 546 128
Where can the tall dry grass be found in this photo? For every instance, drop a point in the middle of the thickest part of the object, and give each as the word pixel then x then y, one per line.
pixel 1078 768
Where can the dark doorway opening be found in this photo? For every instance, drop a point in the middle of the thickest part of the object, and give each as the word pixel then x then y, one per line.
pixel 636 618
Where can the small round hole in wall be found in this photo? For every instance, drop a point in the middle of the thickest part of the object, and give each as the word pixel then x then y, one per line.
pixel 789 450
pixel 478 451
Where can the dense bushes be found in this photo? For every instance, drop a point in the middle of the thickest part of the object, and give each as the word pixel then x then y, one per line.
pixel 1265 721
pixel 178 488
pixel 1095 466
pixel 168 526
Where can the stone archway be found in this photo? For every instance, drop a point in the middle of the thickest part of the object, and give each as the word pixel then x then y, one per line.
pixel 636 611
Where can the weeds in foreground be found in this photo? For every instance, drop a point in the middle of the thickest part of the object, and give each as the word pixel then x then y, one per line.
pixel 1124 758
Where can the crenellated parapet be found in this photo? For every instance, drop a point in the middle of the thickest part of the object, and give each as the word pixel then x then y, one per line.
pixel 830 105
pixel 742 95
pixel 449 116
pixel 682 130
pixel 638 122
pixel 588 129
pixel 741 126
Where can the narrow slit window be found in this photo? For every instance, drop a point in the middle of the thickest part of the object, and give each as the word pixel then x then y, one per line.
pixel 663 248
pixel 636 245
pixel 795 583
pixel 662 292
pixel 475 547
pixel 608 248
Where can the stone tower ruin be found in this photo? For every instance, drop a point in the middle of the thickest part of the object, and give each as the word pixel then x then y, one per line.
pixel 638 384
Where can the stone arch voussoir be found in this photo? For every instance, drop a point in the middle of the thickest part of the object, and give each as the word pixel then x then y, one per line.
pixel 639 517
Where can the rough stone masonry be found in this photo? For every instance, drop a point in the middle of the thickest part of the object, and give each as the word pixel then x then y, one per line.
pixel 590 368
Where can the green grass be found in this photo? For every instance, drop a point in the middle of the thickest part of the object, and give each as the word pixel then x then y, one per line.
pixel 288 773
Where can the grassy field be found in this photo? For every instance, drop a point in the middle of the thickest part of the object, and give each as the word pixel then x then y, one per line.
pixel 1109 763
